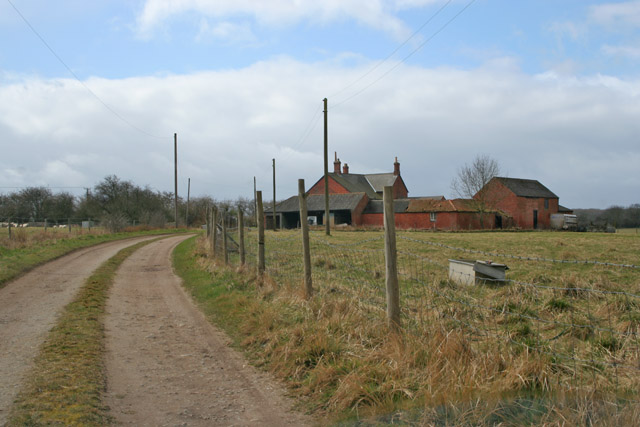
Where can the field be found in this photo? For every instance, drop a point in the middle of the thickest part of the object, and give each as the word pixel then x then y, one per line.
pixel 557 341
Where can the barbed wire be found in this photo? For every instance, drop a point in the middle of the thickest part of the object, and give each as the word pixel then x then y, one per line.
pixel 521 258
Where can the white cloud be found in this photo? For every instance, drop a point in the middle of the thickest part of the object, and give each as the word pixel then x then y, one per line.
pixel 578 136
pixel 373 13
pixel 632 52
pixel 227 31
pixel 616 14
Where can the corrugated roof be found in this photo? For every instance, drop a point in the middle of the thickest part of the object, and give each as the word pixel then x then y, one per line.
pixel 527 187
pixel 315 202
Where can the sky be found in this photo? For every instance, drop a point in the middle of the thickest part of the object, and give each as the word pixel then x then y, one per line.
pixel 550 89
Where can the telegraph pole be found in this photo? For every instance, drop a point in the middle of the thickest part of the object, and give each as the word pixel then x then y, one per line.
pixel 175 164
pixel 327 227
pixel 274 194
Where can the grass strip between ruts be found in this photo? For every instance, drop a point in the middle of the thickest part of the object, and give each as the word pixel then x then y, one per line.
pixel 65 385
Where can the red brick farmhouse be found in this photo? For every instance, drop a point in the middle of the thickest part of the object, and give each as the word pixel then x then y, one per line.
pixel 356 199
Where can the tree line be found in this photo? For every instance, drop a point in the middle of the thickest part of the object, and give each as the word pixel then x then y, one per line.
pixel 114 202
pixel 617 216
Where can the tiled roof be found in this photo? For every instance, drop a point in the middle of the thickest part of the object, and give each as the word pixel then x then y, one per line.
pixel 526 187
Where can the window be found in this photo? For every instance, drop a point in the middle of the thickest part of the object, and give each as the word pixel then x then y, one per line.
pixel 432 216
pixel 546 203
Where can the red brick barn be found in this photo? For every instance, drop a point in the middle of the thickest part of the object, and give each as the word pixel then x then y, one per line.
pixel 527 201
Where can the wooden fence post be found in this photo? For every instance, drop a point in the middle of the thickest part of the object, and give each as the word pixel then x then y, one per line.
pixel 45 224
pixel 306 252
pixel 9 227
pixel 261 266
pixel 225 254
pixel 214 231
pixel 208 221
pixel 391 259
pixel 69 224
pixel 241 235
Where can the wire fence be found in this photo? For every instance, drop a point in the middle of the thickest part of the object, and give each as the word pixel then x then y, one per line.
pixel 584 326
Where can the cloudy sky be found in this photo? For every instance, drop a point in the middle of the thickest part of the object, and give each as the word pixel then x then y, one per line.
pixel 548 88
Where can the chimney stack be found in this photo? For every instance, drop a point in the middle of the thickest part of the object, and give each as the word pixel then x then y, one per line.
pixel 345 169
pixel 336 164
pixel 396 168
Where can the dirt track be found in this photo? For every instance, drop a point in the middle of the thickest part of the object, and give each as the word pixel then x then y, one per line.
pixel 166 365
pixel 29 307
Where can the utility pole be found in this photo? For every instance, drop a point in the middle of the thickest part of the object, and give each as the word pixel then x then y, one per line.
pixel 274 194
pixel 175 164
pixel 327 227
pixel 188 196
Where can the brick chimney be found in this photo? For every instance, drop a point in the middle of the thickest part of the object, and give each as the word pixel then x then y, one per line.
pixel 396 168
pixel 345 169
pixel 336 164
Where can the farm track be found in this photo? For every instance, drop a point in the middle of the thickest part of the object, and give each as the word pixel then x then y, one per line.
pixel 167 365
pixel 29 307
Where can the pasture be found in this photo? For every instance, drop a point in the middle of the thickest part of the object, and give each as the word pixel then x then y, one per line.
pixel 557 340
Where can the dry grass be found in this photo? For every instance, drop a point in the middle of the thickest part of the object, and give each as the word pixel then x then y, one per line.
pixel 467 355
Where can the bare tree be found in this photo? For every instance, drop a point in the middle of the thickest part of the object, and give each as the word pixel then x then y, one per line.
pixel 471 180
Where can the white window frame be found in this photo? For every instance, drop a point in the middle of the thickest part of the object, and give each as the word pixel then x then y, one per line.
pixel 432 216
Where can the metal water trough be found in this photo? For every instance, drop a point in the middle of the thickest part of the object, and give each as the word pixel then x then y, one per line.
pixel 469 272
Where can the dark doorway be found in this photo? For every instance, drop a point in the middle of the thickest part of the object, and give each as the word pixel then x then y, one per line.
pixel 498 221
pixel 535 219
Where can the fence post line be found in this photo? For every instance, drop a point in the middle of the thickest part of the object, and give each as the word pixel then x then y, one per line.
pixel 214 231
pixel 45 224
pixel 306 251
pixel 260 214
pixel 241 235
pixel 225 254
pixel 9 227
pixel 69 224
pixel 391 259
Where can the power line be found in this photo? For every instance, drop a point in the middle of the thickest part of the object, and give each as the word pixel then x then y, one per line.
pixel 111 110
pixel 375 67
pixel 310 129
pixel 420 46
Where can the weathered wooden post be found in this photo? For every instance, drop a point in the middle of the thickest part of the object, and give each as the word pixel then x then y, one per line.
pixel 391 259
pixel 45 224
pixel 225 254
pixel 214 231
pixel 9 228
pixel 69 224
pixel 241 235
pixel 261 265
pixel 306 252
pixel 207 219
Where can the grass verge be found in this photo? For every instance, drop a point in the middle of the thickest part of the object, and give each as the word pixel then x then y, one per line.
pixel 43 247
pixel 67 380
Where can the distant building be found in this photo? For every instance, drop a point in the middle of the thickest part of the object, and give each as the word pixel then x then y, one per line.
pixel 356 199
